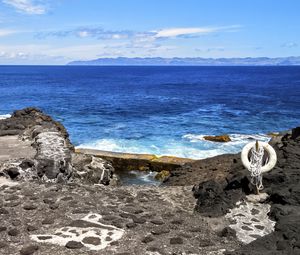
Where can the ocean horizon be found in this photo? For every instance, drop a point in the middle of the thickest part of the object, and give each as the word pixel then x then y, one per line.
pixel 161 110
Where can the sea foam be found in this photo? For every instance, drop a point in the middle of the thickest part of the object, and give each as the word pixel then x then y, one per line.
pixel 4 116
pixel 235 138
pixel 192 146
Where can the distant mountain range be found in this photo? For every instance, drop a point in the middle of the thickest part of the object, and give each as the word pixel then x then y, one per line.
pixel 122 61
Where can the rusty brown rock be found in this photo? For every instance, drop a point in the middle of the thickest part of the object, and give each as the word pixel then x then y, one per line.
pixel 217 138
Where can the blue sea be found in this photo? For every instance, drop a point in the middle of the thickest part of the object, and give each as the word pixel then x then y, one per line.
pixel 158 110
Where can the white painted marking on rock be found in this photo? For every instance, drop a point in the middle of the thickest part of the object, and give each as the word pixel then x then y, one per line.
pixel 251 219
pixel 7 182
pixel 65 234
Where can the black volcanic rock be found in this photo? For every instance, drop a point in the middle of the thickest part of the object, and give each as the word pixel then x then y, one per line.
pixel 222 181
pixel 55 160
pixel 282 184
pixel 50 139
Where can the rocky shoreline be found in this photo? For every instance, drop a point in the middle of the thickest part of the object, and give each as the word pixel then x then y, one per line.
pixel 55 199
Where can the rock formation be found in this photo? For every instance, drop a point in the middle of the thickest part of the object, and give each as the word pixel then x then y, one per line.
pixel 282 184
pixel 216 197
pixel 217 138
pixel 53 158
pixel 91 169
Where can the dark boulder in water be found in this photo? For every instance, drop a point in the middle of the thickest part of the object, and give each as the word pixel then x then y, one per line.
pixel 218 138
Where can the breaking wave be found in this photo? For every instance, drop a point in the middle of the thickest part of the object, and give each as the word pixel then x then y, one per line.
pixel 189 146
pixel 235 138
pixel 4 116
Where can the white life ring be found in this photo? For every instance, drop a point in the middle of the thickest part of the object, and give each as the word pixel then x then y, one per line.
pixel 271 154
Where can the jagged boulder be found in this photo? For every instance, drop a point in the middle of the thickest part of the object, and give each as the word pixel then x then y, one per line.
pixel 163 175
pixel 52 161
pixel 94 170
pixel 55 159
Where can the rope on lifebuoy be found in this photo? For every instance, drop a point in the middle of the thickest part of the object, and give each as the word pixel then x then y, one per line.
pixel 254 165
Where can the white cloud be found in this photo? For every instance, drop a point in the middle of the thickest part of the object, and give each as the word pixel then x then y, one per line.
pixel 289 45
pixel 191 31
pixel 49 54
pixel 92 32
pixel 6 32
pixel 29 53
pixel 83 34
pixel 174 32
pixel 26 6
pixel 113 43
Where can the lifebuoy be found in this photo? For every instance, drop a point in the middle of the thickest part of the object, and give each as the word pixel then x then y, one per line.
pixel 267 147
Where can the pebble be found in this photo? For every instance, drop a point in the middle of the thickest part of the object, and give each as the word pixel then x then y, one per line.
pixel 48 221
pixel 254 211
pixel 80 211
pixel 44 237
pixel 195 229
pixel 12 198
pixel 138 211
pixel 109 217
pixel 48 201
pixel 177 222
pixel 246 228
pixel 160 231
pixel 125 215
pixel 154 249
pixel 31 228
pixel 205 243
pixel 227 232
pixel 147 239
pixel 29 207
pixel 3 229
pixel 176 240
pixel 139 220
pixel 131 225
pixel 2 244
pixel 13 204
pixel 259 227
pixel 74 245
pixel 3 211
pixel 108 239
pixel 28 250
pixel 13 232
pixel 16 223
pixel 91 240
pixel 53 206
pixel 157 222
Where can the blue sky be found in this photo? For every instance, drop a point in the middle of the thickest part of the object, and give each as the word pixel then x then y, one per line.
pixel 59 31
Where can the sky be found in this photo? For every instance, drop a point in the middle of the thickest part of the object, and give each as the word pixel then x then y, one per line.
pixel 60 31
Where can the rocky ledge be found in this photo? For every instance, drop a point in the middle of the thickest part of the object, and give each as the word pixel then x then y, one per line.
pixel 56 201
pixel 52 157
pixel 223 185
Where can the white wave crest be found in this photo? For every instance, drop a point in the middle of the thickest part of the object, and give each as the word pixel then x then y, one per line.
pixel 4 116
pixel 174 148
pixel 235 138
pixel 190 146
